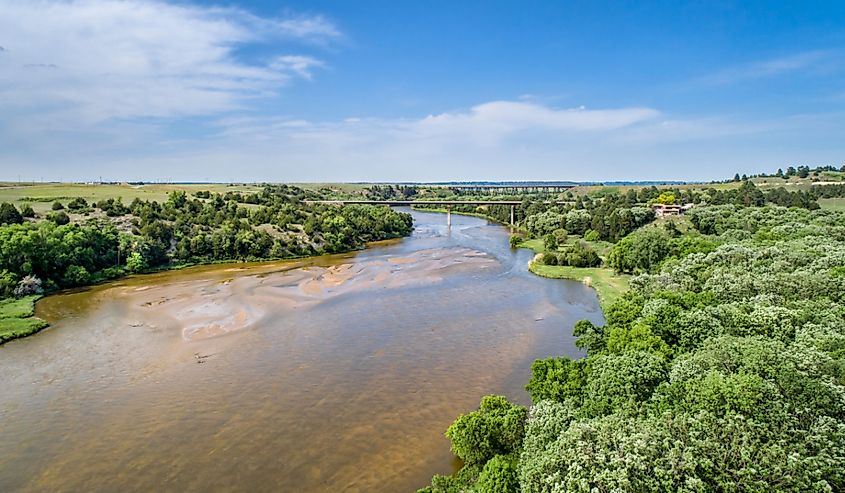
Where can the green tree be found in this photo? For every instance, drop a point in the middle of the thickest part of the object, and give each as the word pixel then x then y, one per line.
pixel 496 428
pixel 76 275
pixel 498 476
pixel 9 214
pixel 135 262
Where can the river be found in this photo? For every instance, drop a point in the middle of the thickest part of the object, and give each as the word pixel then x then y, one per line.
pixel 338 373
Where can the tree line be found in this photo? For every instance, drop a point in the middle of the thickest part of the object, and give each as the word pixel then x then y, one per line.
pixel 108 239
pixel 721 369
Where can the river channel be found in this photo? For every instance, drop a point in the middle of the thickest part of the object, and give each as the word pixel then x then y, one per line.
pixel 338 373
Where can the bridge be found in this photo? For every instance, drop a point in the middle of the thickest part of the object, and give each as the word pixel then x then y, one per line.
pixel 448 204
pixel 511 188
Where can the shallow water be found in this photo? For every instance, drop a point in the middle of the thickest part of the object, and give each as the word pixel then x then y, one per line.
pixel 333 374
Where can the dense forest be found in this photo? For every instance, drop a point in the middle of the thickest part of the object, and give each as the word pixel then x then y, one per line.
pixel 78 243
pixel 721 369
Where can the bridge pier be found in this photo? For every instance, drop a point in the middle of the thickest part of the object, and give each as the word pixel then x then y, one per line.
pixel 512 208
pixel 449 216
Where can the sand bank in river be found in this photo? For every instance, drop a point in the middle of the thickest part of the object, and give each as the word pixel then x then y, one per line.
pixel 234 299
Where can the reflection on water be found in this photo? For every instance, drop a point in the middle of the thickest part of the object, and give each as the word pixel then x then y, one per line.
pixel 334 374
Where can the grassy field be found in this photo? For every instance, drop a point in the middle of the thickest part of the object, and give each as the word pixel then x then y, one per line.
pixel 17 320
pixel 42 196
pixel 607 283
pixel 837 204
pixel 765 183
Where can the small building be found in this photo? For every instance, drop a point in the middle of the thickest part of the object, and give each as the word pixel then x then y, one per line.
pixel 670 209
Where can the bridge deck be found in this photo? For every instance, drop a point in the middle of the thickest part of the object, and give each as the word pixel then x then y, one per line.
pixel 416 202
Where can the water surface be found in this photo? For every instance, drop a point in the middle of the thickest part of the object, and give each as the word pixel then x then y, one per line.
pixel 331 374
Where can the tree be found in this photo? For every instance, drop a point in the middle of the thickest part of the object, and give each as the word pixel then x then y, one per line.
pixel 550 242
pixel 9 214
pixel 135 263
pixel 496 428
pixel 498 476
pixel 665 198
pixel 736 177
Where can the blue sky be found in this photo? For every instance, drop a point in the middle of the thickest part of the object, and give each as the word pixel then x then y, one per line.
pixel 437 90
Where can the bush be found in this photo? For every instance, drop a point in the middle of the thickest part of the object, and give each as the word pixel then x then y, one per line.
pixel 561 235
pixel 549 258
pixel 515 241
pixel 27 211
pixel 77 204
pixel 112 272
pixel 592 235
pixel 77 276
pixel 580 255
pixel 57 206
pixel 8 282
pixel 29 285
pixel 9 214
pixel 60 218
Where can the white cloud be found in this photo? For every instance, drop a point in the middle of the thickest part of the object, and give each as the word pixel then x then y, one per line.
pixel 90 61
pixel 805 61
pixel 509 116
pixel 298 64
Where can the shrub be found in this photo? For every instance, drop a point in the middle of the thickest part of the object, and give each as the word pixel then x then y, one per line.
pixel 77 275
pixel 57 206
pixel 27 211
pixel 561 235
pixel 61 218
pixel 592 235
pixel 77 204
pixel 9 214
pixel 515 241
pixel 8 282
pixel 580 255
pixel 28 285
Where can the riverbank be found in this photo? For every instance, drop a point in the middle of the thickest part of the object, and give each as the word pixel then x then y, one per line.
pixel 17 318
pixel 609 285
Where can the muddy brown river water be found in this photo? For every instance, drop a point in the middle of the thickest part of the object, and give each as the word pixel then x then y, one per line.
pixel 332 374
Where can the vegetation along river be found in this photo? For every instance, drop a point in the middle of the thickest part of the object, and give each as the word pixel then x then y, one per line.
pixel 338 373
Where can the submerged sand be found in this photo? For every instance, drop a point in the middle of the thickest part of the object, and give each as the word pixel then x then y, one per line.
pixel 214 307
